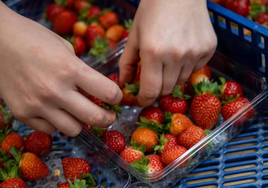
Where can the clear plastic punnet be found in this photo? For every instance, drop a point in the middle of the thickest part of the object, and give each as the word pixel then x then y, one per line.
pixel 255 88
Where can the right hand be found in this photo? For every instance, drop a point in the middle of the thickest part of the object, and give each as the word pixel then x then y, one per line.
pixel 40 76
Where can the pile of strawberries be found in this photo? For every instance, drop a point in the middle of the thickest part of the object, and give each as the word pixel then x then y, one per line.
pixel 177 121
pixel 255 10
pixel 90 28
pixel 20 161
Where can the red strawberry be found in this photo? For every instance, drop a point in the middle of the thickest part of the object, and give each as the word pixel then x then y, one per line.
pixel 129 92
pixel 13 183
pixel 230 88
pixel 31 166
pixel 108 19
pixel 64 185
pixel 12 139
pixel 133 152
pixel 79 28
pixel 74 168
pixel 93 31
pixel 262 18
pixel 127 25
pixel 205 107
pixel 171 154
pixel 114 32
pixel 81 4
pixel 149 164
pixel 152 113
pixel 230 108
pixel 178 122
pixel 115 140
pixel 39 143
pixel 166 141
pixel 79 45
pixel 190 136
pixel 63 23
pixel 99 132
pixel 174 102
pixel 114 77
pixel 53 10
pixel 94 11
pixel 241 7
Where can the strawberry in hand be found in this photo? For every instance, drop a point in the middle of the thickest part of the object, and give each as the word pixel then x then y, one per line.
pixel 233 105
pixel 206 107
pixel 127 24
pixel 129 93
pixel 133 152
pixel 148 164
pixel 230 88
pixel 174 102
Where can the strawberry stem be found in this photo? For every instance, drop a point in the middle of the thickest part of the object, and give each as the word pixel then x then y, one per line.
pixel 136 146
pixel 90 180
pixel 133 88
pixel 177 93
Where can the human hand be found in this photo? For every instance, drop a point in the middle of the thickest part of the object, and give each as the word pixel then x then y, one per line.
pixel 40 76
pixel 172 40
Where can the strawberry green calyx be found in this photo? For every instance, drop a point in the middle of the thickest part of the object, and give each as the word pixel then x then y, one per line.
pixel 61 2
pixel 91 181
pixel 114 108
pixel 157 128
pixel 204 87
pixel 141 165
pixel 97 131
pixel 3 156
pixel 136 146
pixel 223 82
pixel 162 141
pixel 9 172
pixel 3 134
pixel 128 24
pixel 99 46
pixel 255 9
pixel 133 88
pixel 229 99
pixel 16 154
pixel 78 183
pixel 177 93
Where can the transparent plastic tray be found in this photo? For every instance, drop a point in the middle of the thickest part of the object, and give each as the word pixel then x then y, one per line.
pixel 255 88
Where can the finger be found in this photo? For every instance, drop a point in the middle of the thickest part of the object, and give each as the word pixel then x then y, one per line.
pixel 128 61
pixel 185 73
pixel 96 84
pixel 170 75
pixel 87 111
pixel 64 121
pixel 150 81
pixel 201 63
pixel 40 124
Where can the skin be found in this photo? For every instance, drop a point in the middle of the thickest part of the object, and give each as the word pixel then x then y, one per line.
pixel 40 76
pixel 172 40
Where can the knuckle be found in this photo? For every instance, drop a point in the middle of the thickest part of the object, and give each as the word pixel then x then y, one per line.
pixel 49 91
pixel 150 94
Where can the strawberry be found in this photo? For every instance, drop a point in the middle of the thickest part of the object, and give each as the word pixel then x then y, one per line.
pixel 178 123
pixel 94 11
pixel 81 4
pixel 108 19
pixel 152 113
pixel 205 107
pixel 79 28
pixel 99 132
pixel 6 118
pixel 166 141
pixel 230 88
pixel 174 102
pixel 92 32
pixel 233 106
pixel 11 139
pixel 53 10
pixel 100 103
pixel 63 23
pixel 148 164
pixel 204 70
pixel 31 166
pixel 262 18
pixel 129 92
pixel 241 7
pixel 88 181
pixel 145 136
pixel 127 25
pixel 138 74
pixel 190 136
pixel 172 153
pixel 115 140
pixel 39 143
pixel 69 4
pixel 114 32
pixel 79 45
pixel 13 183
pixel 75 168
pixel 133 152
pixel 114 77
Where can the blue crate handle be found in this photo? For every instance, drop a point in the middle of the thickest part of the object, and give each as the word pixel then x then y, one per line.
pixel 251 52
